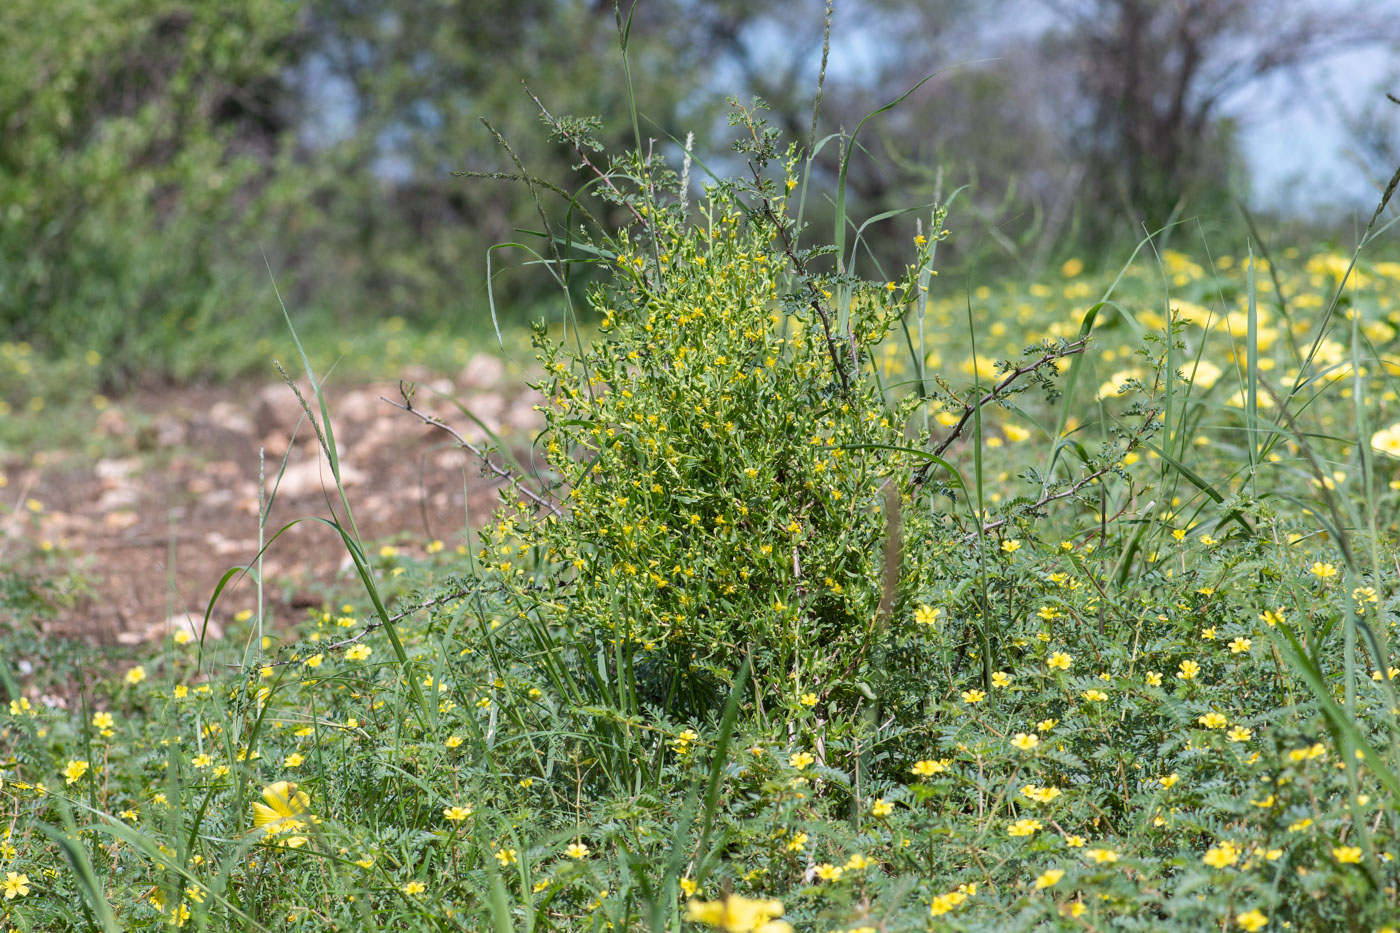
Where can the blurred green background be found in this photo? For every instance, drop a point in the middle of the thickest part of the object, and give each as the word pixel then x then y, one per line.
pixel 153 151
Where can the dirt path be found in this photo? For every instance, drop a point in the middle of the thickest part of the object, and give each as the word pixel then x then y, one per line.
pixel 151 529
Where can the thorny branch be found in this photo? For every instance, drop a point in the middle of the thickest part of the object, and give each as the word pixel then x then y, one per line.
pixel 502 472
pixel 1050 356
pixel 371 626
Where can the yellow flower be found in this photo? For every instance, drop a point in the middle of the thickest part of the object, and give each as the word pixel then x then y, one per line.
pixel 1239 734
pixel 800 760
pixel 1049 879
pixel 1271 617
pixel 1045 725
pixel 1025 742
pixel 1252 921
pixel 1169 781
pixel 314 661
pixel 808 699
pixel 358 653
pixel 136 675
pixel 689 886
pixel 1347 855
pixel 1074 842
pixel 1095 696
pixel 1024 828
pixel 1387 440
pixel 1001 680
pixel 414 887
pixel 506 857
pixel 1222 856
pixel 944 903
pixel 974 696
pixel 681 743
pixel 1323 571
pixel 103 721
pixel 829 872
pixel 1240 645
pixel 1154 679
pixel 881 807
pixel 928 767
pixel 1102 856
pixel 457 814
pixel 577 850
pixel 1188 670
pixel 1307 752
pixel 1041 794
pixel 927 615
pixel 284 810
pixel 1213 721
pixel 15 886
pixel 738 914
pixel 453 741
pixel 857 862
pixel 1059 661
pixel 73 771
pixel 1011 547
pixel 1072 267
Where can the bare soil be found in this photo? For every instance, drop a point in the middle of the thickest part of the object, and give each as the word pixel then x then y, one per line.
pixel 151 527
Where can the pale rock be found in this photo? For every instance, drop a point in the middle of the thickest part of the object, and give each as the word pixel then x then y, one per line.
pixel 160 630
pixel 230 417
pixel 111 472
pixel 120 497
pixel 117 522
pixel 311 476
pixel 483 371
pixel 171 431
pixel 277 408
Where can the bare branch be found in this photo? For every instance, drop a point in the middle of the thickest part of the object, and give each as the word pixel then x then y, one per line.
pixel 502 472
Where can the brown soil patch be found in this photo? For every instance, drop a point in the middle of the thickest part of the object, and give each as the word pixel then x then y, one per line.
pixel 153 528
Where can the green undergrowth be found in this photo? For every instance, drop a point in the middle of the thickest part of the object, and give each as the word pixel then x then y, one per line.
pixel 825 601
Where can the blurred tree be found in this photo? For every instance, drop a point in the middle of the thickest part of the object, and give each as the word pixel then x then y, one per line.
pixel 1155 76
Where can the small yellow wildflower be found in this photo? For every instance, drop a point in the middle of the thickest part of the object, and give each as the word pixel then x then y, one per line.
pixel 927 615
pixel 1024 828
pixel 1347 855
pixel 738 914
pixel 15 886
pixel 1252 921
